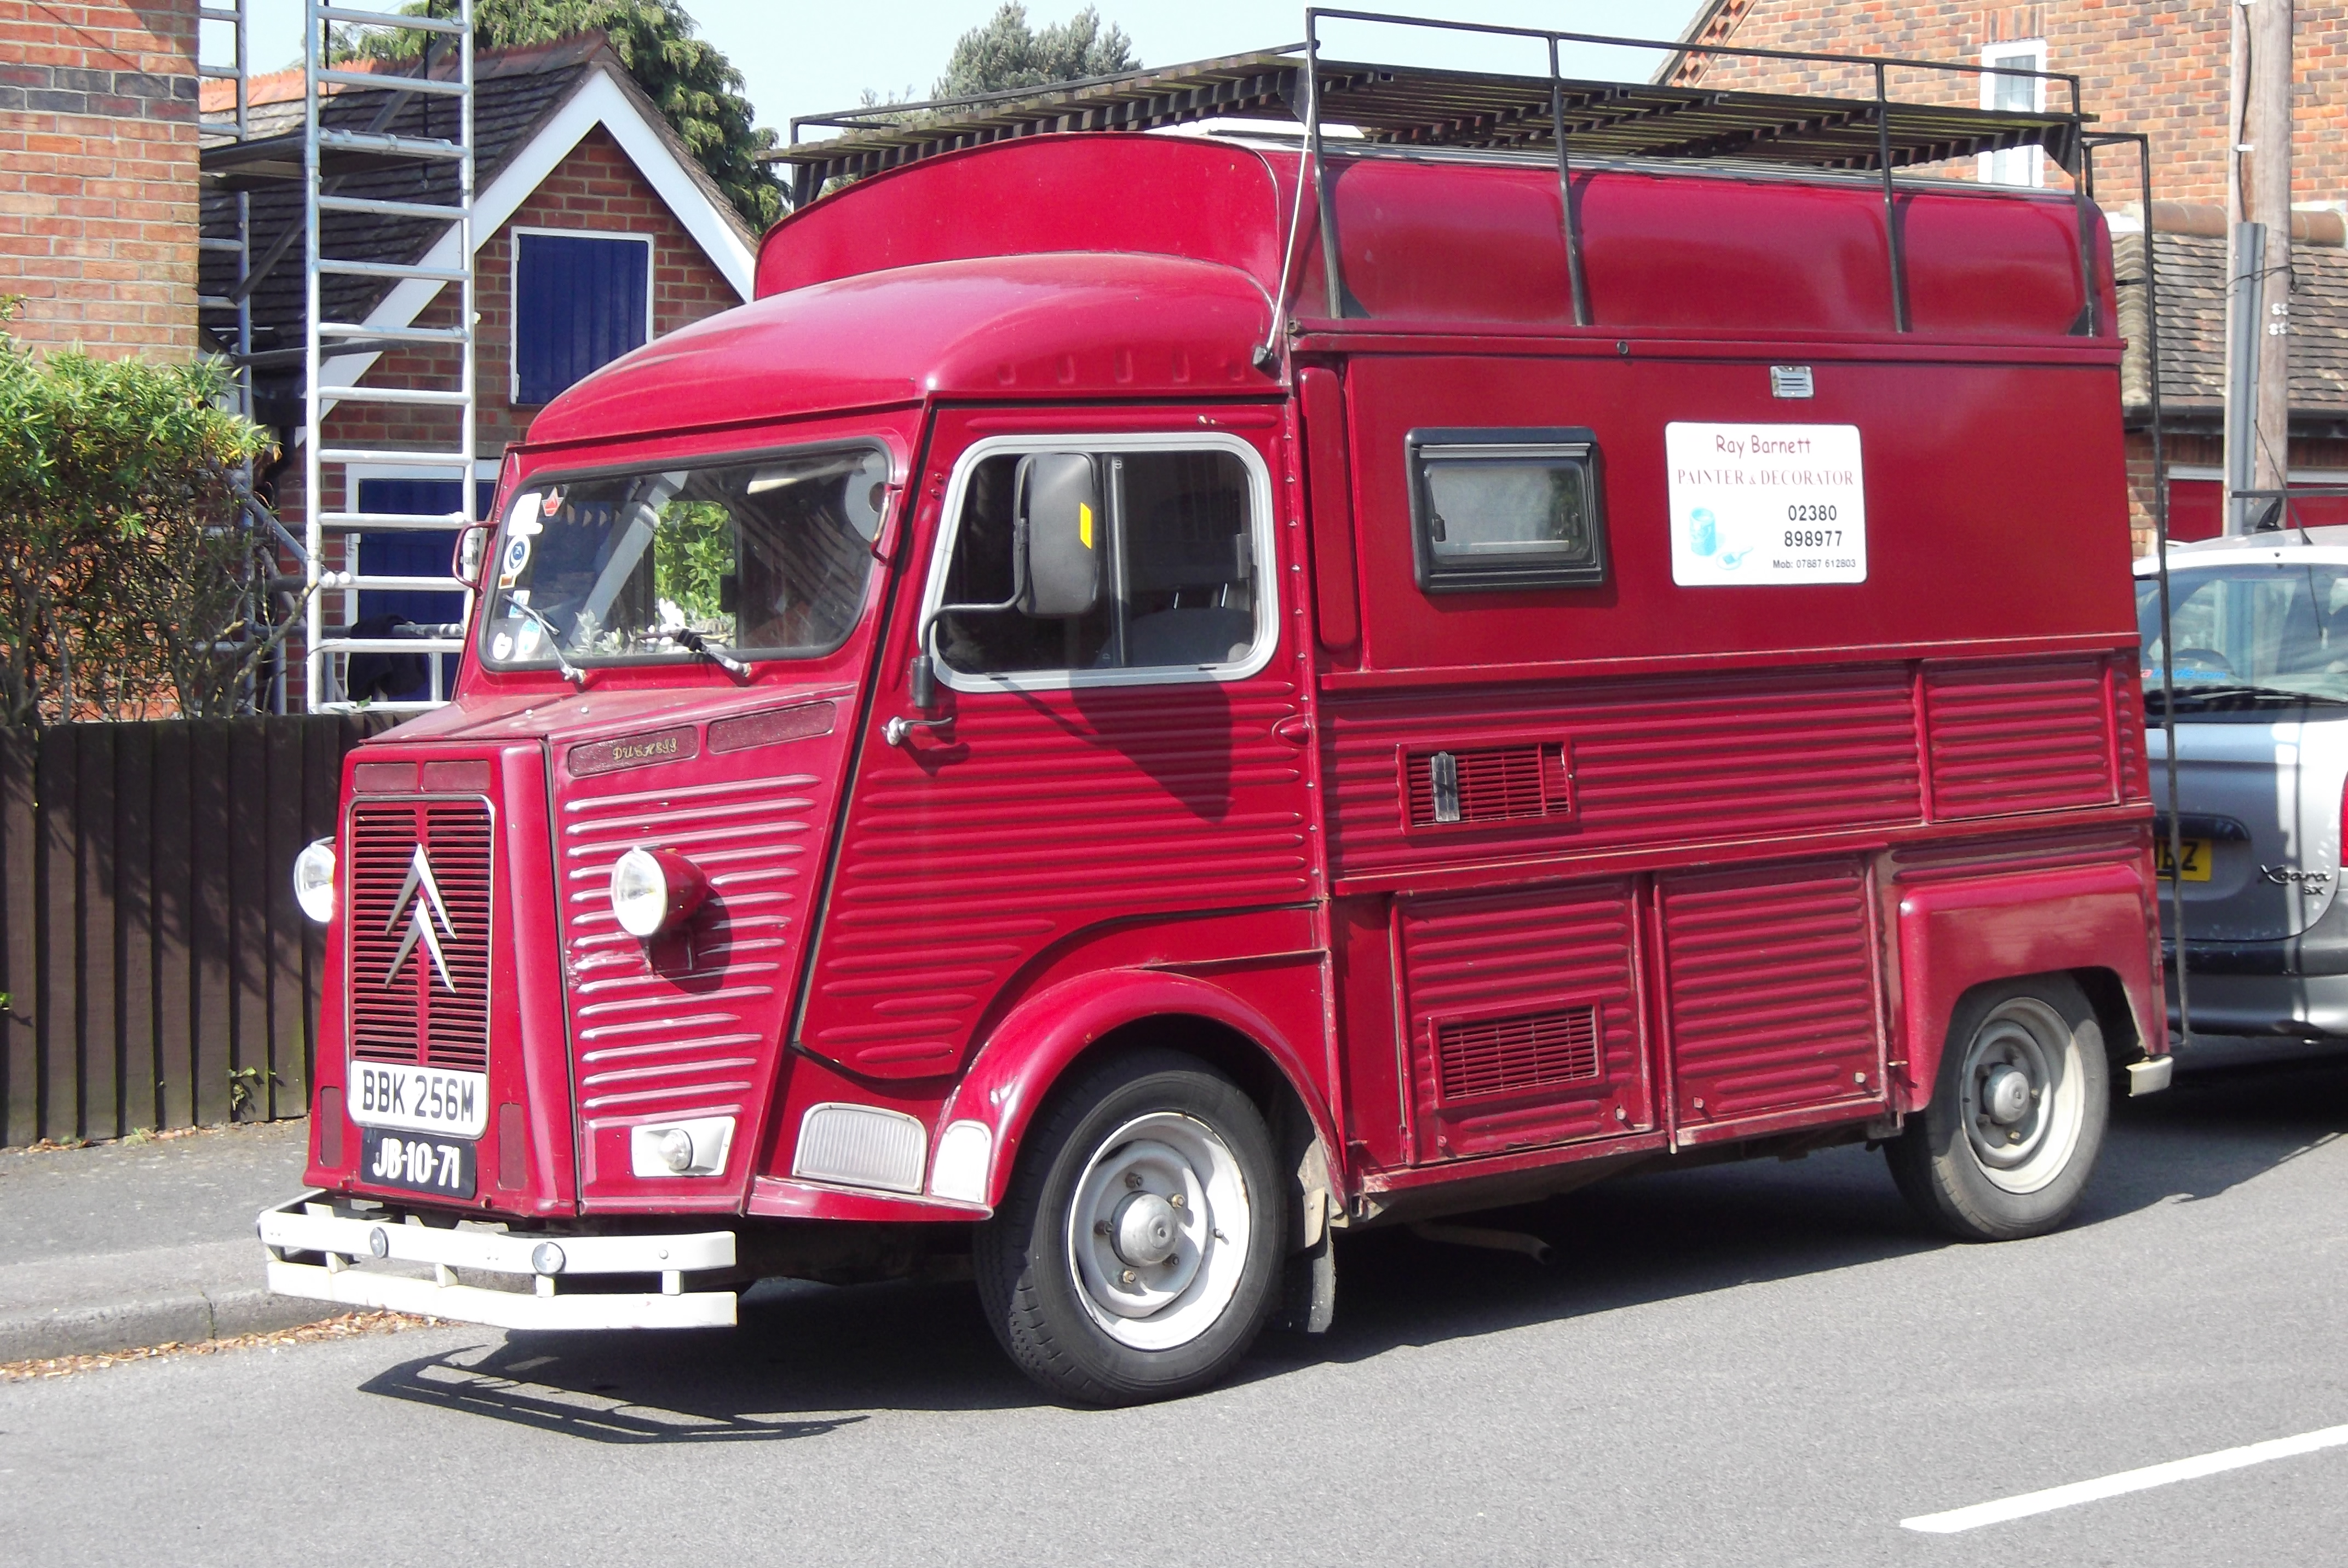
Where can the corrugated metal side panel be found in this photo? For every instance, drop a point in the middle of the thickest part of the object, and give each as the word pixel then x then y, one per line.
pixel 1046 814
pixel 1671 760
pixel 2018 737
pixel 681 1029
pixel 1474 958
pixel 2128 727
pixel 579 304
pixel 1772 990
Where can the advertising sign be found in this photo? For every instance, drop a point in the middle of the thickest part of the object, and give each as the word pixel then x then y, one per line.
pixel 1766 504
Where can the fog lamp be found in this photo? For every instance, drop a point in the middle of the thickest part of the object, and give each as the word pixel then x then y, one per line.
pixel 653 890
pixel 314 880
pixel 546 1259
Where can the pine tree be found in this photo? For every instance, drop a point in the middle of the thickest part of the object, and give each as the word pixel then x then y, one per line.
pixel 1007 53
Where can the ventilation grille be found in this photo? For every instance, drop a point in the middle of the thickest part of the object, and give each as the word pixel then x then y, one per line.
pixel 1526 1051
pixel 410 1006
pixel 1489 784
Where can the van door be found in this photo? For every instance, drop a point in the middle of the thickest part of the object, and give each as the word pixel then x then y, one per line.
pixel 1144 758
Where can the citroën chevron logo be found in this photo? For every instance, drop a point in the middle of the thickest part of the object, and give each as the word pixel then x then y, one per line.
pixel 421 913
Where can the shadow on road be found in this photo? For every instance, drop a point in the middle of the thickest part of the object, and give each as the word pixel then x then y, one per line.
pixel 808 1359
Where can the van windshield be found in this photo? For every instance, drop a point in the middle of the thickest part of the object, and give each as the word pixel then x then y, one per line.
pixel 758 559
pixel 2248 634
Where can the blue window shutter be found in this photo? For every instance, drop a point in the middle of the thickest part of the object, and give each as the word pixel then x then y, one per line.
pixel 398 553
pixel 579 304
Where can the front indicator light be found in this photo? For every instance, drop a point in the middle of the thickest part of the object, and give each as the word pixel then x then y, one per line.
pixel 314 880
pixel 654 891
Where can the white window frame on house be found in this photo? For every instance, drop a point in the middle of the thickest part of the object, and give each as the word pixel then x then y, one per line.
pixel 2030 162
pixel 513 287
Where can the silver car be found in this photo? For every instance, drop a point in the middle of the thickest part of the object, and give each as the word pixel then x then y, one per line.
pixel 2259 673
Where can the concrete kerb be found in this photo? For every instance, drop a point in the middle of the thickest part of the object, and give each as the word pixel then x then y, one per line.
pixel 123 1246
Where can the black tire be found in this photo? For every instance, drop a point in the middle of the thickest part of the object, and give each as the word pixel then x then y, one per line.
pixel 1982 1178
pixel 1083 1150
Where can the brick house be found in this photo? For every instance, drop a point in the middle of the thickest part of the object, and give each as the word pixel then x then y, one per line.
pixel 2160 67
pixel 595 230
pixel 97 173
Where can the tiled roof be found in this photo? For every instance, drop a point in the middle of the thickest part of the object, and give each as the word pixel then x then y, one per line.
pixel 505 110
pixel 515 94
pixel 2191 278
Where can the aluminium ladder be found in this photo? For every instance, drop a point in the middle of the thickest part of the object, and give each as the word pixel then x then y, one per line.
pixel 333 537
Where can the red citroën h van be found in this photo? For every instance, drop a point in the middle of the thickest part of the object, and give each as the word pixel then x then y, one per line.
pixel 1160 696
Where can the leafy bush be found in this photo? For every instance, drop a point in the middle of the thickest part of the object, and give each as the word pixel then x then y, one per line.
pixel 129 581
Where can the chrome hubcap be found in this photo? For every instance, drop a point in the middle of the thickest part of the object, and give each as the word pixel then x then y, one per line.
pixel 1157 1233
pixel 2023 1096
pixel 2006 1095
pixel 1145 1232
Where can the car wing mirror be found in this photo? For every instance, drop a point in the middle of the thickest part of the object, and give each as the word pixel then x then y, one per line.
pixel 1059 530
pixel 472 550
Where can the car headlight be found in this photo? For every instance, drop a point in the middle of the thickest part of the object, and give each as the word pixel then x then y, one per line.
pixel 314 880
pixel 653 890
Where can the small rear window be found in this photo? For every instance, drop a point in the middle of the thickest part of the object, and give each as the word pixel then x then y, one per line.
pixel 1503 509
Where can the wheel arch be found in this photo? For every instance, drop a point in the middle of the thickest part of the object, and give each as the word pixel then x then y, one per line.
pixel 1081 1020
pixel 2091 924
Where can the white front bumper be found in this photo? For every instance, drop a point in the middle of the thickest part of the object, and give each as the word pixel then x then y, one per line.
pixel 309 1224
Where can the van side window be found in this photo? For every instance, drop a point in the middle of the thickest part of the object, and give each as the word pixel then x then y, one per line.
pixel 1499 510
pixel 1183 589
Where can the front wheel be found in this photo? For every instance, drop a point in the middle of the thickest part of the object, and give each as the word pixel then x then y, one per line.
pixel 2017 1115
pixel 1135 1253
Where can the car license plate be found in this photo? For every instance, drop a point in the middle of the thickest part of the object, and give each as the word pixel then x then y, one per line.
pixel 420 1099
pixel 2195 852
pixel 443 1166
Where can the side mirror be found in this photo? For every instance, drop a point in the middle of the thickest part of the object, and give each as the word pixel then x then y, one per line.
pixel 472 549
pixel 1059 530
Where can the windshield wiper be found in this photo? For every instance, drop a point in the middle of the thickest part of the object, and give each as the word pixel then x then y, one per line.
pixel 576 676
pixel 694 641
pixel 2244 694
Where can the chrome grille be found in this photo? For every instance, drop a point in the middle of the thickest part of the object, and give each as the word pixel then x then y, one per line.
pixel 420 942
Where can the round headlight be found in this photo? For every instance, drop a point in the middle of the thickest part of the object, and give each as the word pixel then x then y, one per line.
pixel 652 890
pixel 314 880
pixel 674 1146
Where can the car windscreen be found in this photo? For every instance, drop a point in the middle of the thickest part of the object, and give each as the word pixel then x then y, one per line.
pixel 2248 631
pixel 764 558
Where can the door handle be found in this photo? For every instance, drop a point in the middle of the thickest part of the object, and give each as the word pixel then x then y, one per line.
pixel 1296 727
pixel 899 730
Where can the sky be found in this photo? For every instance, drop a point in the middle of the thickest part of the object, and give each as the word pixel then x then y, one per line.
pixel 807 56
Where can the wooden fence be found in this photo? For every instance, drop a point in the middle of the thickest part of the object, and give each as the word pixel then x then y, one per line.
pixel 157 972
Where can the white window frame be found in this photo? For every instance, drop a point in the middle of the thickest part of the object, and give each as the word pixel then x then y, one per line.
pixel 513 291
pixel 1260 528
pixel 2029 55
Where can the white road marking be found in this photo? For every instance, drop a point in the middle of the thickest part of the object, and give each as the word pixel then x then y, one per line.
pixel 2126 1480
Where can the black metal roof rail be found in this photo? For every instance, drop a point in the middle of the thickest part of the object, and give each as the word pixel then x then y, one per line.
pixel 1411 107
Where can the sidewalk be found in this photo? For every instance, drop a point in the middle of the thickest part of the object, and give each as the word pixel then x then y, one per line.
pixel 123 1246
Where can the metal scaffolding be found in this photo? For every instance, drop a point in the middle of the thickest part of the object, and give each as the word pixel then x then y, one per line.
pixel 331 155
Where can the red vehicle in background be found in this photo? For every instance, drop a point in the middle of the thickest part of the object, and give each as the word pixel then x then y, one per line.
pixel 1156 697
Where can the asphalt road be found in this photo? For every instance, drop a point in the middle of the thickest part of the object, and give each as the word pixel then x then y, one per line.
pixel 1759 1363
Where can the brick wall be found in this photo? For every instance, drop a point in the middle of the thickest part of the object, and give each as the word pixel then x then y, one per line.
pixel 2155 65
pixel 97 173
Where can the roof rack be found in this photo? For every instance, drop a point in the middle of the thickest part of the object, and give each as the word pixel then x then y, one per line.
pixel 1411 107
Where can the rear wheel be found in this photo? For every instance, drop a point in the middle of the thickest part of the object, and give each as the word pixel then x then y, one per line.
pixel 1135 1253
pixel 2017 1115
